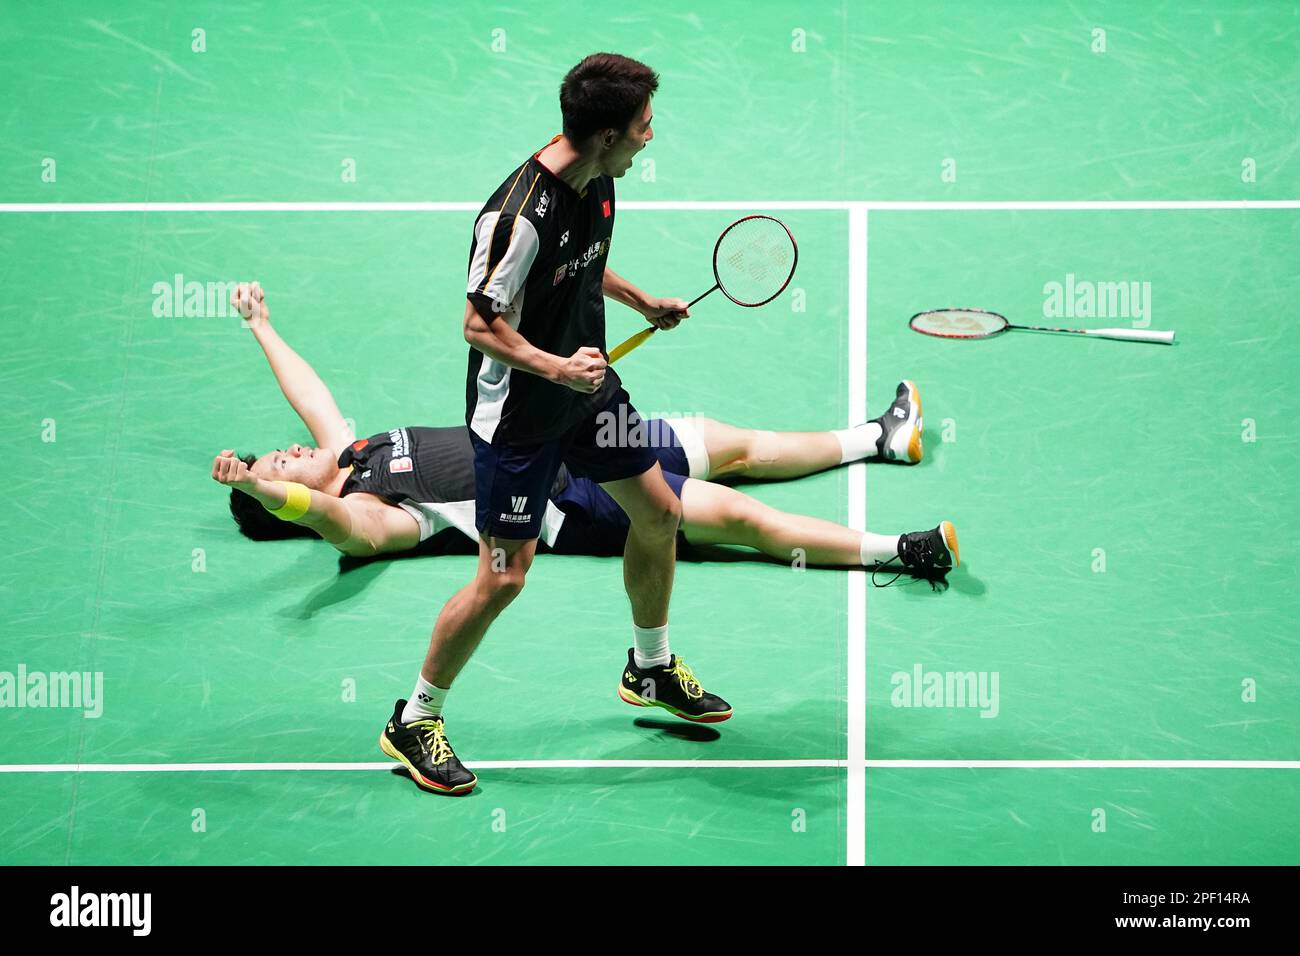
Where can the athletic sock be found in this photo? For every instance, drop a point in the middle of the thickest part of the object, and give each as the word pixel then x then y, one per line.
pixel 651 648
pixel 877 548
pixel 426 701
pixel 858 443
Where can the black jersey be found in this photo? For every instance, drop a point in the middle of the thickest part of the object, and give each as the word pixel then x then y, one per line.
pixel 429 473
pixel 538 259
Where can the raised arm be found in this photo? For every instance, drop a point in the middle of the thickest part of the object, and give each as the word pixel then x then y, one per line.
pixel 301 386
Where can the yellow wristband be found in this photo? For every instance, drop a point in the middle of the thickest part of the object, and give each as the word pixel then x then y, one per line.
pixel 296 502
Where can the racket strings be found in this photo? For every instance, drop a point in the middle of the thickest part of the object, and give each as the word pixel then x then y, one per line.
pixel 754 260
pixel 959 323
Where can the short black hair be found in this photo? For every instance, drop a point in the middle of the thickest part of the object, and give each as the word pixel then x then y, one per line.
pixel 256 522
pixel 604 91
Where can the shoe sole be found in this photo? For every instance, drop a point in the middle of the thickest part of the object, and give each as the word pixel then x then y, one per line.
pixel 915 448
pixel 419 779
pixel 950 541
pixel 636 700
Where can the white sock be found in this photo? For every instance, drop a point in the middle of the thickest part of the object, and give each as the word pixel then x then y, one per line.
pixel 651 648
pixel 426 701
pixel 877 548
pixel 858 443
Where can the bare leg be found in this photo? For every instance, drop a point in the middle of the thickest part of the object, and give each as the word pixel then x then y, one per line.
pixel 716 514
pixel 650 555
pixel 502 565
pixel 750 453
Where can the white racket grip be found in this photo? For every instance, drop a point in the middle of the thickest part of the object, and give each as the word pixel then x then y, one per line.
pixel 1135 335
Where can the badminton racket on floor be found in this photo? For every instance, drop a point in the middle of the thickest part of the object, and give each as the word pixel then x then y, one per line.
pixel 978 324
pixel 753 262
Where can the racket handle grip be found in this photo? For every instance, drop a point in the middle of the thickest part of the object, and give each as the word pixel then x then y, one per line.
pixel 630 343
pixel 1135 335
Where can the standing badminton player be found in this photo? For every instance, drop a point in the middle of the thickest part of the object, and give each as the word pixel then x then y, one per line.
pixel 537 385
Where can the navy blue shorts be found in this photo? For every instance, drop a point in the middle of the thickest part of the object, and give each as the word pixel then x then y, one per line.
pixel 668 450
pixel 512 482
pixel 593 521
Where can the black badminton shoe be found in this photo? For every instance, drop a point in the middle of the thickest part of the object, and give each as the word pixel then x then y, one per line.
pixel 901 427
pixel 674 688
pixel 423 748
pixel 928 555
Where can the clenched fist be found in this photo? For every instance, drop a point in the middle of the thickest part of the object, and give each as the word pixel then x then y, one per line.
pixel 584 370
pixel 249 299
pixel 232 471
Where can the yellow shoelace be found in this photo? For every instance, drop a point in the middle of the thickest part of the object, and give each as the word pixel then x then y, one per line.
pixel 434 740
pixel 686 678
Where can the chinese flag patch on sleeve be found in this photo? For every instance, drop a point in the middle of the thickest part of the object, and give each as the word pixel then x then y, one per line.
pixel 604 207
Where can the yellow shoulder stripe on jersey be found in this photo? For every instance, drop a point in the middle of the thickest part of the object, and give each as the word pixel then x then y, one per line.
pixel 505 202
pixel 519 175
pixel 522 206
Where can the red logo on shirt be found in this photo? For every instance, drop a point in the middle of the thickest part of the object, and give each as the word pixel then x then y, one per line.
pixel 399 465
pixel 604 207
pixel 360 443
pixel 559 276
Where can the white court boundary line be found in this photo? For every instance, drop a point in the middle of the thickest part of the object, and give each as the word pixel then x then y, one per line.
pixel 393 765
pixel 665 205
pixel 829 764
pixel 857 763
pixel 856 786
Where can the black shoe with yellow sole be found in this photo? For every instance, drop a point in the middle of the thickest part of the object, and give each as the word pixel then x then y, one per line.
pixel 423 748
pixel 674 688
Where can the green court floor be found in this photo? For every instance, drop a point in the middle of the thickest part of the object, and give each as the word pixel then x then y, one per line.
pixel 1125 510
pixel 1061 447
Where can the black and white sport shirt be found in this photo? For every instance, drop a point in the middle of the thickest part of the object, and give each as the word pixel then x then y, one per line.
pixel 538 259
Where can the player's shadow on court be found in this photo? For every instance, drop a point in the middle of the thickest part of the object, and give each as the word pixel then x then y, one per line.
pixel 960 580
pixel 696 733
pixel 724 554
pixel 355 575
pixel 965 582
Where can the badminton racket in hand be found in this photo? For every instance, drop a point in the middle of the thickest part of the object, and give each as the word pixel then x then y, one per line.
pixel 753 262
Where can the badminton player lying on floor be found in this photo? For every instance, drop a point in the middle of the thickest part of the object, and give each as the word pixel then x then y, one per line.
pixel 413 488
